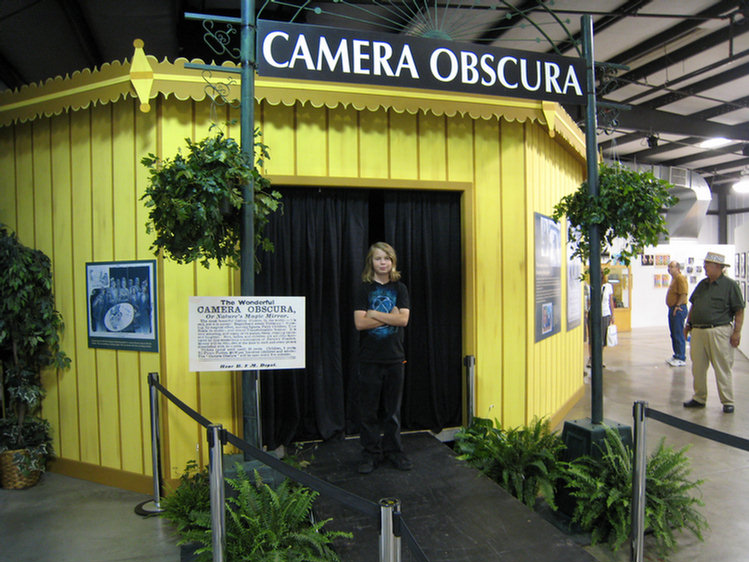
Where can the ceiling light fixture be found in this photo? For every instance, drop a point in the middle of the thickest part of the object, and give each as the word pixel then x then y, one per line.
pixel 742 186
pixel 714 143
pixel 652 141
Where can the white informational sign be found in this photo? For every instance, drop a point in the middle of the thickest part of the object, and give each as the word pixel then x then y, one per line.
pixel 246 333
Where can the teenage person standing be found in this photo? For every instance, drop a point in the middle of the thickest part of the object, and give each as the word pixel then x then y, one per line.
pixel 381 311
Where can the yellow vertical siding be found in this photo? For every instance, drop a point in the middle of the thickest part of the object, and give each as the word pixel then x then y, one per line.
pixel 404 145
pixel 515 271
pixel 490 329
pixel 8 183
pixel 67 439
pixel 343 143
pixel 84 369
pixel 74 190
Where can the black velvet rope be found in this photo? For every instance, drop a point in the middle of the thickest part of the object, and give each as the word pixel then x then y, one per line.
pixel 410 540
pixel 701 430
pixel 357 503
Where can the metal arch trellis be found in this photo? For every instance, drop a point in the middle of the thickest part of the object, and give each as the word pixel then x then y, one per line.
pixel 425 16
pixel 218 40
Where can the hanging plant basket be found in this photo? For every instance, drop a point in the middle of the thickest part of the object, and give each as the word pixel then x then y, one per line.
pixel 14 474
pixel 195 201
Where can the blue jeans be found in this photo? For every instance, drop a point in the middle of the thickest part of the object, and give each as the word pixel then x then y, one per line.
pixel 676 325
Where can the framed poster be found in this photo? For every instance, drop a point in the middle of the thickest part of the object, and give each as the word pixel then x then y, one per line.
pixel 548 277
pixel 240 333
pixel 122 307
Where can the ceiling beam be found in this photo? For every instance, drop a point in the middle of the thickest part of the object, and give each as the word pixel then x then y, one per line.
pixel 723 35
pixel 734 149
pixel 712 82
pixel 670 34
pixel 503 24
pixel 648 120
pixel 82 31
pixel 627 9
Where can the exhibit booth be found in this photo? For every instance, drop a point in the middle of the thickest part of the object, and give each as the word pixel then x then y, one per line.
pixel 72 181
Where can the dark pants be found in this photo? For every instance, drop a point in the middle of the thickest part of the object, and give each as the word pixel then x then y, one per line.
pixel 676 326
pixel 380 385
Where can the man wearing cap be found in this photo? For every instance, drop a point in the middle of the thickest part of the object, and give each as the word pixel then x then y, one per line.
pixel 715 319
pixel 676 300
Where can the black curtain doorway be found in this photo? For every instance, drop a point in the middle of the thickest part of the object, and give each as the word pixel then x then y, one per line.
pixel 321 240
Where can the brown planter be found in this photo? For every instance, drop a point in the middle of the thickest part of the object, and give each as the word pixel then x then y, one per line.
pixel 11 477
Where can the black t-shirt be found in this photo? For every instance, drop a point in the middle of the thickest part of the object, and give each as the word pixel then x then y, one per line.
pixel 383 344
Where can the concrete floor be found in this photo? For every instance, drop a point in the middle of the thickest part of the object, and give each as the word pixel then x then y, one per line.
pixel 636 370
pixel 65 519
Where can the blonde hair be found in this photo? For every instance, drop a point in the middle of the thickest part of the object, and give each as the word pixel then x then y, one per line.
pixel 368 273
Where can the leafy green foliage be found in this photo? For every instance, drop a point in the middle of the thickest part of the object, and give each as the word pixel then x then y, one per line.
pixel 603 489
pixel 628 207
pixel 195 202
pixel 30 330
pixel 262 524
pixel 33 436
pixel 191 498
pixel 523 460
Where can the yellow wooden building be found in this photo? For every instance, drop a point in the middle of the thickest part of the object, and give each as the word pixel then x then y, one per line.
pixel 71 181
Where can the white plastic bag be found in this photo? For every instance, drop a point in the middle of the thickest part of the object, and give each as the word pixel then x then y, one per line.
pixel 612 337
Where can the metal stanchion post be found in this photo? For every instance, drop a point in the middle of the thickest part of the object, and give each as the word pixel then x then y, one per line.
pixel 216 440
pixel 390 543
pixel 155 450
pixel 638 482
pixel 470 362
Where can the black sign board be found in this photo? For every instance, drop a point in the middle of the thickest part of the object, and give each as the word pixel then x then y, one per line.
pixel 307 52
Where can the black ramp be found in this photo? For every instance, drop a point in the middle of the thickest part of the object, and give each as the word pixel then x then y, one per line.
pixel 455 513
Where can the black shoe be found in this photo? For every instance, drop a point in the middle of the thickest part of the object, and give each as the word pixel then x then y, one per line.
pixel 728 408
pixel 693 404
pixel 366 465
pixel 400 461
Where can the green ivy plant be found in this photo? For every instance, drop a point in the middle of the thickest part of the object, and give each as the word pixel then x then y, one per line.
pixel 629 207
pixel 603 489
pixel 262 523
pixel 195 201
pixel 523 460
pixel 30 329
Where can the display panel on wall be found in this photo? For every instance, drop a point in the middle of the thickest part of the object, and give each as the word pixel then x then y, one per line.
pixel 548 279
pixel 574 289
pixel 122 305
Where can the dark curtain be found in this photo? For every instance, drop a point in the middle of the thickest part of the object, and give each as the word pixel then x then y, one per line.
pixel 424 229
pixel 320 240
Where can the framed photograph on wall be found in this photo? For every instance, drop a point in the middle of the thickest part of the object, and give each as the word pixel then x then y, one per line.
pixel 122 307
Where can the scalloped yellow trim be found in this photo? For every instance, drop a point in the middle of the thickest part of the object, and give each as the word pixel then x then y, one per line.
pixel 146 78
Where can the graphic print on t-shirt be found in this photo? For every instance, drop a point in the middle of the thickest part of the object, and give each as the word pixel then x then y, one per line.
pixel 383 299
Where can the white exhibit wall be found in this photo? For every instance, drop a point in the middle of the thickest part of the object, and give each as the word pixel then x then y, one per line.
pixel 650 282
pixel 741 236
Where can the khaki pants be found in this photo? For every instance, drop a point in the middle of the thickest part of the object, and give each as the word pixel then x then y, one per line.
pixel 712 346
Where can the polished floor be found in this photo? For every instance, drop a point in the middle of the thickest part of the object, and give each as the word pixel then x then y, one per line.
pixel 64 519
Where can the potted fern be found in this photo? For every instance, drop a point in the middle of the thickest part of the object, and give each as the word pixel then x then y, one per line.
pixel 262 522
pixel 603 489
pixel 30 330
pixel 195 201
pixel 523 460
